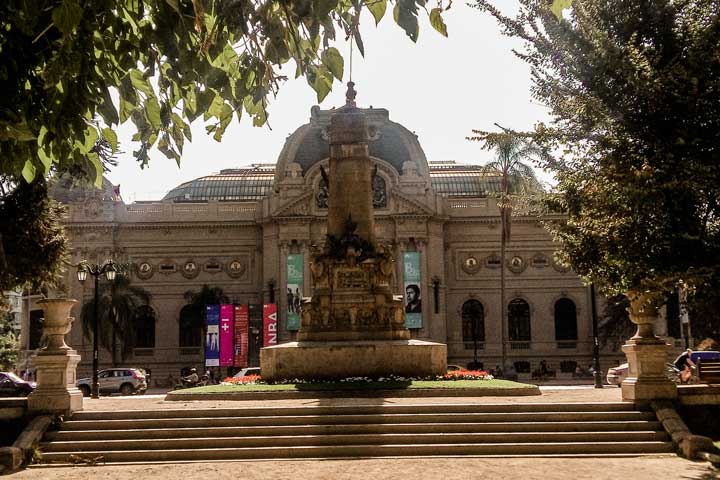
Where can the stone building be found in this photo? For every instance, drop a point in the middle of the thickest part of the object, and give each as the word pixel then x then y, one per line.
pixel 235 230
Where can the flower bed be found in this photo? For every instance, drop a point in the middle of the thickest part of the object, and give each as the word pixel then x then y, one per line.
pixel 450 376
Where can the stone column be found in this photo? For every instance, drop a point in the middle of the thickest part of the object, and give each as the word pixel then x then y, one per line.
pixel 56 364
pixel 646 354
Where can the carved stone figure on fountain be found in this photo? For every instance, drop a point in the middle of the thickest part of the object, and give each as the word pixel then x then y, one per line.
pixel 353 324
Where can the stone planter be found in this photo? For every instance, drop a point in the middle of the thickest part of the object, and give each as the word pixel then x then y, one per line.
pixel 57 322
pixel 56 364
pixel 646 353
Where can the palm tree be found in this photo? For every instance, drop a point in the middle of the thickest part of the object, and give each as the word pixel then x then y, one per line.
pixel 118 302
pixel 516 178
pixel 200 299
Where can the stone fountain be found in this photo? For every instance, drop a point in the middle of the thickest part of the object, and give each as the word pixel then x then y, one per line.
pixel 352 325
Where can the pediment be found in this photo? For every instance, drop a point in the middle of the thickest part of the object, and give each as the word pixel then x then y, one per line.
pixel 297 207
pixel 407 205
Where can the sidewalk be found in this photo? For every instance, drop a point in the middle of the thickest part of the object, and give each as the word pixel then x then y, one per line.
pixel 441 468
pixel 150 401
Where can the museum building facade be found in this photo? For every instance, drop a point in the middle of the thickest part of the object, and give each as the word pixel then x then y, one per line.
pixel 241 228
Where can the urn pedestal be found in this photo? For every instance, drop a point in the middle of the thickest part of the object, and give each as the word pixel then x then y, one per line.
pixel 56 364
pixel 646 354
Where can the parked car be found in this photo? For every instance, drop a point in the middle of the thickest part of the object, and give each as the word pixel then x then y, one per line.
pixel 116 380
pixel 13 386
pixel 247 371
pixel 616 375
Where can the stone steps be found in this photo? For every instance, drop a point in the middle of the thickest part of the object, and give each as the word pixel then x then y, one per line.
pixel 356 431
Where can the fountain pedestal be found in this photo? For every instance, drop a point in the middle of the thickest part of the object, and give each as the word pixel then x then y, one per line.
pixel 56 364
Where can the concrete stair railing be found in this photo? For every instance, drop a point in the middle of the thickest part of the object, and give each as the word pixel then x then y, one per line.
pixel 356 431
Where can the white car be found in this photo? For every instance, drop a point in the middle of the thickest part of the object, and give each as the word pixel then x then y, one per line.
pixel 247 371
pixel 125 381
pixel 616 375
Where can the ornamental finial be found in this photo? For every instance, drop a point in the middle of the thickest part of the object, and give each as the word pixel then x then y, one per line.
pixel 350 95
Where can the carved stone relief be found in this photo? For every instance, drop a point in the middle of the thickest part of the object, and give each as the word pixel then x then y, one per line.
pixel 379 192
pixel 190 269
pixel 517 264
pixel 471 265
pixel 236 268
pixel 144 270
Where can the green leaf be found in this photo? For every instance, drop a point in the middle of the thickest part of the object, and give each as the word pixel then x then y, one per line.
pixel 558 6
pixel 324 7
pixel 45 159
pixel 67 16
pixel 41 136
pixel 174 4
pixel 140 82
pixel 405 14
pixel 95 161
pixel 109 135
pixel 29 171
pixel 91 137
pixel 437 21
pixel 21 132
pixel 377 8
pixel 107 109
pixel 322 84
pixel 152 111
pixel 332 59
pixel 126 109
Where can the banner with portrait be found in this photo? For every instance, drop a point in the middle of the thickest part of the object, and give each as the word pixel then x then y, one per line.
pixel 227 334
pixel 241 336
pixel 269 324
pixel 212 340
pixel 413 289
pixel 294 290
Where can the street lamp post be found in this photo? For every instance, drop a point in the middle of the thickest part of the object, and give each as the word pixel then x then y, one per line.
pixel 109 270
pixel 597 373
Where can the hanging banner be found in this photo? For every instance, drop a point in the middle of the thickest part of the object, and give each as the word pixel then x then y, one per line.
pixel 241 336
pixel 269 324
pixel 294 289
pixel 227 352
pixel 212 345
pixel 413 300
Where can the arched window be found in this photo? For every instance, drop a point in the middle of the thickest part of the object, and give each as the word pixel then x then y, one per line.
pixel 519 320
pixel 565 320
pixel 190 327
pixel 473 321
pixel 144 327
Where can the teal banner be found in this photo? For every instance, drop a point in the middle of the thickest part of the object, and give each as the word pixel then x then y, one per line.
pixel 294 290
pixel 413 300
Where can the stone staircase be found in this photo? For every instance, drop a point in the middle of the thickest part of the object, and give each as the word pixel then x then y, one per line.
pixel 356 431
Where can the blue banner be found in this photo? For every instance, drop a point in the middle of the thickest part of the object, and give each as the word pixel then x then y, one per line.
pixel 212 337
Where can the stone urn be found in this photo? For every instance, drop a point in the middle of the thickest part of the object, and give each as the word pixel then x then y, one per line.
pixel 643 312
pixel 57 322
pixel 56 364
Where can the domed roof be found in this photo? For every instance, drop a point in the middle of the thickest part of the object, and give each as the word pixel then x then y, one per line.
pixel 388 141
pixel 236 184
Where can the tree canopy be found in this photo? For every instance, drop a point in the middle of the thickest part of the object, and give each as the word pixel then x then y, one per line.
pixel 633 91
pixel 72 70
pixel 118 305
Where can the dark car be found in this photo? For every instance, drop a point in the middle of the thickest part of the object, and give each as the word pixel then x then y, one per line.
pixel 13 386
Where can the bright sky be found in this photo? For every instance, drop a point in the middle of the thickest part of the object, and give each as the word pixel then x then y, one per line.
pixel 440 88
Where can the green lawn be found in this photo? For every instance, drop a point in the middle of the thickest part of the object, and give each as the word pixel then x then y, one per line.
pixel 343 386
